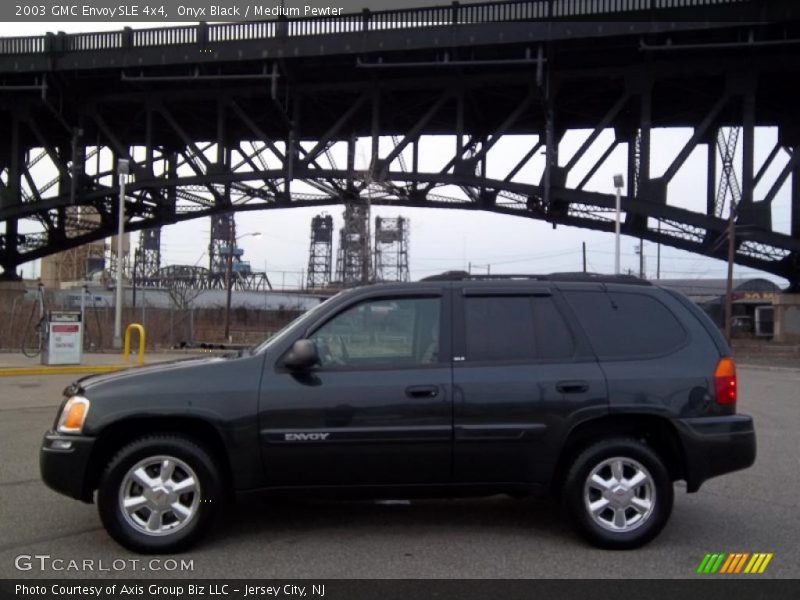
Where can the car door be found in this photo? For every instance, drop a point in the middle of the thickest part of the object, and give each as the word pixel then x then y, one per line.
pixel 377 410
pixel 521 375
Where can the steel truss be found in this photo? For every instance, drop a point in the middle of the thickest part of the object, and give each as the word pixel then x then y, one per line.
pixel 337 130
pixel 147 259
pixel 353 260
pixel 391 249
pixel 200 278
pixel 320 252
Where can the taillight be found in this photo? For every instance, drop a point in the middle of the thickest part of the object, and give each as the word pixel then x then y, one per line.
pixel 725 381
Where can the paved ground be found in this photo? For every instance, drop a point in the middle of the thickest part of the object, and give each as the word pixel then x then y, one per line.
pixel 753 511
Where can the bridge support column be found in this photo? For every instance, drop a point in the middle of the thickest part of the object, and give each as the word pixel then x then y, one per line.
pixel 795 208
pixel 748 147
pixel 351 163
pixel 550 145
pixel 644 142
pixel 711 176
pixel 375 133
pixel 11 196
pixel 148 139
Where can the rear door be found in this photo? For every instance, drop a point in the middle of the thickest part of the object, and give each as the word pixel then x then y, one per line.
pixel 378 409
pixel 522 374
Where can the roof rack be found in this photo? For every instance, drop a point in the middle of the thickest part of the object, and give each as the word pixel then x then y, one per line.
pixel 568 276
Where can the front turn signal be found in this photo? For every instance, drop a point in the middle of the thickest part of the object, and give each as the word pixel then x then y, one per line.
pixel 73 415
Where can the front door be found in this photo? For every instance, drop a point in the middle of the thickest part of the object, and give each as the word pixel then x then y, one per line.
pixel 377 410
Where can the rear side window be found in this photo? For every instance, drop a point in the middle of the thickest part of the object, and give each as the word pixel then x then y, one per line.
pixel 515 328
pixel 627 325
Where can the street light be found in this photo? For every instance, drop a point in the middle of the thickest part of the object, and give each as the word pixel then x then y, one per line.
pixel 229 277
pixel 123 168
pixel 618 183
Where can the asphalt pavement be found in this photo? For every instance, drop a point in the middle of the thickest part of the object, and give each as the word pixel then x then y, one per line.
pixel 750 511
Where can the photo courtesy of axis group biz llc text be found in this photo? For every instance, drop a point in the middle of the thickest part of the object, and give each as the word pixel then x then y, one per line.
pixel 399 299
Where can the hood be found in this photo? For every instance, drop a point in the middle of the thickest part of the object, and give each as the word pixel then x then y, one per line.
pixel 90 381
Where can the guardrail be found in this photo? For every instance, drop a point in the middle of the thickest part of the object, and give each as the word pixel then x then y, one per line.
pixel 365 21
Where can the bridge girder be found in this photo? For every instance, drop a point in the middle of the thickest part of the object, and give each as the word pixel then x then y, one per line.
pixel 209 147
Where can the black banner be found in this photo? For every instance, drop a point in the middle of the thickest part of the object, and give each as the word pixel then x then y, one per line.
pixel 734 588
pixel 466 11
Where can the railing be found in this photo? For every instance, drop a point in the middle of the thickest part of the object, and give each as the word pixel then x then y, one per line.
pixel 366 21
pixel 164 36
pixel 22 45
pixel 93 41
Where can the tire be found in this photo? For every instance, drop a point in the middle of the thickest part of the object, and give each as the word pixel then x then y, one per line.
pixel 625 516
pixel 173 488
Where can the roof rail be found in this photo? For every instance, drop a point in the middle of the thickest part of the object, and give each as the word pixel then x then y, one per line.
pixel 568 276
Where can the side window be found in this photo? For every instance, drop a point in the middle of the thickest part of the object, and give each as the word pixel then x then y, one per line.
pixel 388 332
pixel 626 325
pixel 515 328
pixel 555 337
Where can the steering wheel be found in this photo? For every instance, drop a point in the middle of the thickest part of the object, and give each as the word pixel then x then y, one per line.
pixel 326 357
pixel 323 351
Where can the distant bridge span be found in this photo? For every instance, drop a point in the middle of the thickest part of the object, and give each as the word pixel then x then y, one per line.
pixel 252 116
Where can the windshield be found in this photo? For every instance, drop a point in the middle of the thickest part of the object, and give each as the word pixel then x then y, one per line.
pixel 279 335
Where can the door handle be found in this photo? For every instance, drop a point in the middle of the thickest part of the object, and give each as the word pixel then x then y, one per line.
pixel 422 391
pixel 572 387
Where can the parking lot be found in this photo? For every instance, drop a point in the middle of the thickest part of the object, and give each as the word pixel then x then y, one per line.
pixel 751 511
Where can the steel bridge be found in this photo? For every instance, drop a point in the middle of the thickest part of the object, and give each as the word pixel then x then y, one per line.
pixel 301 112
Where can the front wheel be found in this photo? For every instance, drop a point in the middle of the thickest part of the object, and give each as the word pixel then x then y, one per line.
pixel 618 493
pixel 159 494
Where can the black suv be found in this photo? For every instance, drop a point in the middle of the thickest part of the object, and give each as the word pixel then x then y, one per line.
pixel 601 391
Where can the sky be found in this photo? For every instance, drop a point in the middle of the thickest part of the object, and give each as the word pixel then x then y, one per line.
pixel 444 240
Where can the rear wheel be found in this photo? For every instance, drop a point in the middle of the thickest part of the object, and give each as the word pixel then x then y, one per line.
pixel 618 493
pixel 159 494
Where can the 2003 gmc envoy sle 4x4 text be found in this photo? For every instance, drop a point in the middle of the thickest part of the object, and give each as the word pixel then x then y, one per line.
pixel 600 390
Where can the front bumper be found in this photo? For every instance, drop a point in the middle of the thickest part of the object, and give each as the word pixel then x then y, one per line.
pixel 64 464
pixel 716 445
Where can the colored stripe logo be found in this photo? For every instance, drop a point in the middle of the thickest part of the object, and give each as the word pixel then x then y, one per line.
pixel 734 563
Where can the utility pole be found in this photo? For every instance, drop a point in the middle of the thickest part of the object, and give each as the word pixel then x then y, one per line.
pixel 123 167
pixel 228 267
pixel 729 283
pixel 583 244
pixel 658 253
pixel 618 183
pixel 640 252
pixel 135 266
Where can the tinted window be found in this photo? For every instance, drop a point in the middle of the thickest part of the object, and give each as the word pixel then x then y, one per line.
pixel 395 332
pixel 515 328
pixel 555 337
pixel 623 325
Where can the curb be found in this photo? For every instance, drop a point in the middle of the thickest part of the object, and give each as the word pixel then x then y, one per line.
pixel 65 370
pixel 769 368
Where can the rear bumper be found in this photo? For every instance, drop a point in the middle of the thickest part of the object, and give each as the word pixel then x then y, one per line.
pixel 716 445
pixel 64 464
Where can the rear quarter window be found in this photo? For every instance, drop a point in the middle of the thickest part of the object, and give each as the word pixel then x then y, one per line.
pixel 624 325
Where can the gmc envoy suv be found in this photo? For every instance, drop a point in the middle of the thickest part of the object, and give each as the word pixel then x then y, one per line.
pixel 602 391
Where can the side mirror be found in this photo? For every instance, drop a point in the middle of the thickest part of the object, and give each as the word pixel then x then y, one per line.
pixel 302 355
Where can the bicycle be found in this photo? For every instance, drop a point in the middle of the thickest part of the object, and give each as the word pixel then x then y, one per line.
pixel 39 330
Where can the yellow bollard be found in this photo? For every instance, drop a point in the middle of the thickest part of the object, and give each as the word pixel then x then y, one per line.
pixel 127 351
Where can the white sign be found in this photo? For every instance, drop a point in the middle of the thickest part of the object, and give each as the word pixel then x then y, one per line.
pixel 65 339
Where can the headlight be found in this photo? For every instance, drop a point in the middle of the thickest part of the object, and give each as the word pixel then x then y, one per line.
pixel 73 415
